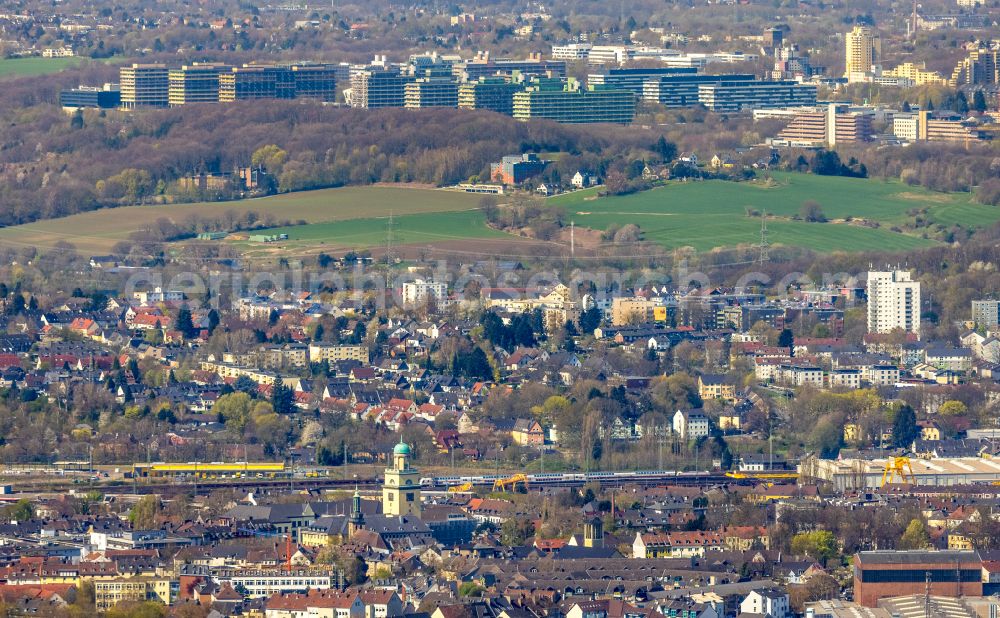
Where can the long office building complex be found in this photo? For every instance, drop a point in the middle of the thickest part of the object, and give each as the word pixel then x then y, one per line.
pixel 430 92
pixel 157 86
pixel 574 105
pixel 836 124
pixel 526 89
pixel 315 81
pixel 634 79
pixel 483 66
pixel 493 93
pixel 194 83
pixel 266 81
pixel 144 85
pixel 738 95
pixel 108 97
pixel 682 90
pixel 252 81
pixel 923 126
pixel 375 87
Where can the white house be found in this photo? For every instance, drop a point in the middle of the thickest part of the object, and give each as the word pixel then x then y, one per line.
pixel 767 602
pixel 158 295
pixel 690 425
pixel 582 180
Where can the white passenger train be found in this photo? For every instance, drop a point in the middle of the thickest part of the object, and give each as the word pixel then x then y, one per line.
pixel 562 478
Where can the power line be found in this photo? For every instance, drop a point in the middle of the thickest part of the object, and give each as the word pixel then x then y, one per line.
pixel 572 239
pixel 763 246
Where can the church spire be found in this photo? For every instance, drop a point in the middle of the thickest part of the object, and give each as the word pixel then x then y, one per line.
pixel 357 519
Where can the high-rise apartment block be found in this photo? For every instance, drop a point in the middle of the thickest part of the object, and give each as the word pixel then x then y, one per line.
pixel 863 51
pixel 893 302
pixel 420 292
pixel 144 85
pixel 981 67
pixel 986 313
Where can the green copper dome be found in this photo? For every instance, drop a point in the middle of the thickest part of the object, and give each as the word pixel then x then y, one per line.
pixel 401 449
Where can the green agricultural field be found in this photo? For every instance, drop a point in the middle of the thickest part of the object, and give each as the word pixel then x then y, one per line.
pixel 703 215
pixel 26 67
pixel 707 215
pixel 98 231
pixel 420 229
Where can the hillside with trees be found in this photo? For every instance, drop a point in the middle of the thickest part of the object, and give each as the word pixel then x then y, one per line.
pixel 54 165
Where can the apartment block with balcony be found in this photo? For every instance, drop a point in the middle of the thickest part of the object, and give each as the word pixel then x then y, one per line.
pixel 980 68
pixel 333 353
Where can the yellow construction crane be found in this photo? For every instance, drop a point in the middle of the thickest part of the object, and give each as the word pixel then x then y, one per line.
pixel 898 467
pixel 511 481
pixel 456 489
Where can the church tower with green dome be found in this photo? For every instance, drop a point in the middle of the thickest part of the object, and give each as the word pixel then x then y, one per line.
pixel 401 491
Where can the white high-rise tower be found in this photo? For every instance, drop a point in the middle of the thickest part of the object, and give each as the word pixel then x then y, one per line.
pixel 893 302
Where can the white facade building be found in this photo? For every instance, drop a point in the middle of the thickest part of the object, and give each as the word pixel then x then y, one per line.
pixel 690 425
pixel 418 292
pixel 573 51
pixel 772 603
pixel 893 302
pixel 986 313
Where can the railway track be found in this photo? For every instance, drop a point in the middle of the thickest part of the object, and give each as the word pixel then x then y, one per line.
pixel 268 485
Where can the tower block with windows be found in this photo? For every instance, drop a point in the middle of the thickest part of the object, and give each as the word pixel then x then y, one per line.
pixel 401 491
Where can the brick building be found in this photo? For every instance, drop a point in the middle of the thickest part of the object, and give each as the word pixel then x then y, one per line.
pixel 887 573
